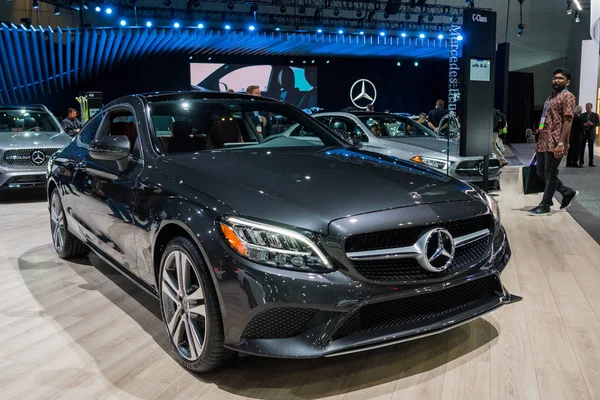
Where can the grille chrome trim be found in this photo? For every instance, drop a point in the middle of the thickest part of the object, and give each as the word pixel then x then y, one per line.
pixel 413 251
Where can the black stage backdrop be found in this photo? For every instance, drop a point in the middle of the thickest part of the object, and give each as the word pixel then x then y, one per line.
pixel 520 114
pixel 403 88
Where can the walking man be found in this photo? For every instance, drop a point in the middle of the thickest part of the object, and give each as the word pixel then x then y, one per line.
pixel 590 122
pixel 555 127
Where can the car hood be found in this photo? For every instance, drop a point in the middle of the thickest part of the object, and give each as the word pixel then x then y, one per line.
pixel 28 140
pixel 433 144
pixel 308 188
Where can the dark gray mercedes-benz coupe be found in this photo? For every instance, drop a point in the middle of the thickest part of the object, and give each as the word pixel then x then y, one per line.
pixel 270 245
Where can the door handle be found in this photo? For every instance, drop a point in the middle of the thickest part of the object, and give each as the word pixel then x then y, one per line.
pixel 80 165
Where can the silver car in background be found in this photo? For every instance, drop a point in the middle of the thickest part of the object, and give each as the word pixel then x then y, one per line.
pixel 404 138
pixel 29 135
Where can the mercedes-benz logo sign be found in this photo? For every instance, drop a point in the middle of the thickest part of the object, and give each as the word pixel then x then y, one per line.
pixel 363 93
pixel 439 250
pixel 38 157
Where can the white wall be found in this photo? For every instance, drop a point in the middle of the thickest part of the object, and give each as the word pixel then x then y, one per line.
pixel 589 73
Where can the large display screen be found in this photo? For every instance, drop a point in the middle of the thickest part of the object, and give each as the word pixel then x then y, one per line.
pixel 292 84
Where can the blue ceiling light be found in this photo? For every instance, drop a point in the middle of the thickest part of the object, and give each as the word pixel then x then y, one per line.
pixel 361 32
pixel 149 24
pixel 200 26
pixel 422 36
pixel 459 37
pixel 440 36
pixel 381 33
pixel 277 29
pixel 252 27
pixel 403 34
pixel 228 27
pixel 176 25
pixel 97 9
pixel 108 10
pixel 341 31
pixel 319 30
pixel 416 63
pixel 123 22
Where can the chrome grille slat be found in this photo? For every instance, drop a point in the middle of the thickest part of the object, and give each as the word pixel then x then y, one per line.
pixel 22 157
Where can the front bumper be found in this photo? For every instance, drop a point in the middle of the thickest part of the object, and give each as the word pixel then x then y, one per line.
pixel 24 178
pixel 333 314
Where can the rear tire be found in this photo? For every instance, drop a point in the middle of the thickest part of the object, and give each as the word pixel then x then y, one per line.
pixel 65 243
pixel 190 308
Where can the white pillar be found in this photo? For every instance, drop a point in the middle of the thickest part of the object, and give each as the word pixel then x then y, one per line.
pixel 588 78
pixel 595 20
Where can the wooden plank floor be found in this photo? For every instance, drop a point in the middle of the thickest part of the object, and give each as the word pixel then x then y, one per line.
pixel 78 330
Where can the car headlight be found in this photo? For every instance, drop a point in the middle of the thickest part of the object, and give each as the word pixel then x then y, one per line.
pixel 273 246
pixel 431 162
pixel 493 204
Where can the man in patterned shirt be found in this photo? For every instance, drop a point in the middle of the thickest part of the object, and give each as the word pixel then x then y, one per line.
pixel 555 127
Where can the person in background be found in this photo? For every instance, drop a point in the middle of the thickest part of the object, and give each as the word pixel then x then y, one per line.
pixel 71 124
pixel 555 127
pixel 370 108
pixel 263 124
pixel 436 115
pixel 230 91
pixel 590 122
pixel 499 125
pixel 575 139
pixel 253 90
pixel 422 118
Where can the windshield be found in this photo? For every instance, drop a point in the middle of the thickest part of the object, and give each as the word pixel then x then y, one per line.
pixel 27 121
pixel 390 126
pixel 203 125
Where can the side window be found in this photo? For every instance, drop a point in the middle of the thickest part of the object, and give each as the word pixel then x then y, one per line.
pixel 88 132
pixel 121 122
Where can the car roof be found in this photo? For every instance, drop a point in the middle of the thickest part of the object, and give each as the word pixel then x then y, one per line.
pixel 37 107
pixel 197 94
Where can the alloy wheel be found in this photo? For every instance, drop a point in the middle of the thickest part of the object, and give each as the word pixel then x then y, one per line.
pixel 57 223
pixel 184 309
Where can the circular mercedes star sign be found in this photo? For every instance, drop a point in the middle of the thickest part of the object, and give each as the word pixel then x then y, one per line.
pixel 439 250
pixel 363 93
pixel 38 157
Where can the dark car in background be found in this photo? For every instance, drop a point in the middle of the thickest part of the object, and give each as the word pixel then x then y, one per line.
pixel 29 135
pixel 272 246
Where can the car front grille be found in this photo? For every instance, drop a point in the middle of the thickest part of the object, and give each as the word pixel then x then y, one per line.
pixel 421 309
pixel 24 157
pixel 474 168
pixel 408 236
pixel 408 269
pixel 278 323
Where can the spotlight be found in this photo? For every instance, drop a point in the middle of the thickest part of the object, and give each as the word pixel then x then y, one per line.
pixel 26 22
pixel 86 5
pixel 341 32
pixel 168 3
pixel 230 6
pixel 97 9
pixel 446 10
pixel 422 36
pixel 252 27
pixel 416 63
pixel 403 34
pixel 336 12
pixel 176 25
pixel 56 11
pixel 302 9
pixel 577 17
pixel 361 32
pixel 440 36
pixel 398 64
pixel 123 22
pixel 520 29
pixel 359 13
pixel 200 26
pixel 148 24
pixel 454 19
pixel 277 29
pixel 430 18
pixel 407 16
pixel 319 30
pixel 569 10
pixel 35 4
pixel 254 8
pixel 459 38
pixel 228 27
pixel 327 62
pixel 470 3
pixel 108 11
pixel 283 9
pixel 381 33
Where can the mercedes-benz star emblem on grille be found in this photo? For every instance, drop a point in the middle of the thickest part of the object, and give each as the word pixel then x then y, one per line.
pixel 363 89
pixel 38 157
pixel 439 250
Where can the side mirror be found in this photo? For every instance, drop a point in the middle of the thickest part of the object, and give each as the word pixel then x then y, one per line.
pixel 111 148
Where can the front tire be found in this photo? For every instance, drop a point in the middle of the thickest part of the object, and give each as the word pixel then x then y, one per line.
pixel 65 243
pixel 190 308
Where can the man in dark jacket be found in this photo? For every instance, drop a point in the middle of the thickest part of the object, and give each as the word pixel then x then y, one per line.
pixel 590 122
pixel 71 124
pixel 575 139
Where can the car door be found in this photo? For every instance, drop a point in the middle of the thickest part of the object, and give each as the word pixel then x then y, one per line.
pixel 108 195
